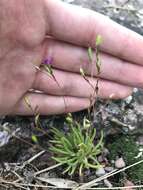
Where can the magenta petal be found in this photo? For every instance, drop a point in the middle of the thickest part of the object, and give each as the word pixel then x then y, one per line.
pixel 48 61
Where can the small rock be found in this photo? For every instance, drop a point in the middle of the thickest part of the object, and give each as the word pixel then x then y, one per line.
pixel 4 138
pixel 129 185
pixel 112 161
pixel 100 158
pixel 100 172
pixel 106 152
pixel 140 140
pixel 128 99
pixel 109 169
pixel 135 90
pixel 120 163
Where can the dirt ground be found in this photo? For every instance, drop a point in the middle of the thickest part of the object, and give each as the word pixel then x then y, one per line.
pixel 122 121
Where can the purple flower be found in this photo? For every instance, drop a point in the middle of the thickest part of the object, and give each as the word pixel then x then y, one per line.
pixel 48 61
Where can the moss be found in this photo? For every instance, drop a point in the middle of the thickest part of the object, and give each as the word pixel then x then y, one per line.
pixel 126 147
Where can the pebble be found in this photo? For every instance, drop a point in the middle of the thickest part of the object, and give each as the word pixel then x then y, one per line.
pixel 140 140
pixel 120 163
pixel 100 158
pixel 4 138
pixel 100 172
pixel 109 169
pixel 106 152
pixel 128 99
pixel 112 161
pixel 128 184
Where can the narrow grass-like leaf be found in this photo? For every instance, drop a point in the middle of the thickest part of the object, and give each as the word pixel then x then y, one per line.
pixel 69 119
pixel 28 104
pixel 60 160
pixel 76 149
pixel 49 70
pixel 99 40
pixel 80 169
pixel 37 120
pixel 34 139
pixel 67 142
pixel 93 166
pixel 100 143
pixel 93 135
pixel 67 170
pixel 95 160
pixel 90 54
pixel 73 170
pixel 66 145
pixel 82 72
pixel 58 151
pixel 98 66
pixel 57 133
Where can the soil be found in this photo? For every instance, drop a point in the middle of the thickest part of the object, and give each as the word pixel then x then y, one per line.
pixel 121 121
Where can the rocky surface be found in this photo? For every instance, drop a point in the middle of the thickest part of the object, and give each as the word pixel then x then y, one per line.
pixel 126 12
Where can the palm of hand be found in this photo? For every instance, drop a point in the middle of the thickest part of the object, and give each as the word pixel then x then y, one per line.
pixel 20 51
pixel 24 44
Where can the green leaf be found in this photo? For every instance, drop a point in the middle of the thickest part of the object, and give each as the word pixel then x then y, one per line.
pixel 58 151
pixel 95 160
pixel 67 142
pixel 67 169
pixel 34 139
pixel 98 66
pixel 70 138
pixel 55 141
pixel 77 136
pixel 93 135
pixel 72 161
pixel 58 134
pixel 76 149
pixel 100 143
pixel 96 152
pixel 79 131
pixel 65 145
pixel 80 169
pixel 48 69
pixel 69 118
pixel 28 104
pixel 86 123
pixel 73 170
pixel 82 72
pixel 60 160
pixel 92 166
pixel 90 54
pixel 99 40
pixel 37 120
pixel 87 140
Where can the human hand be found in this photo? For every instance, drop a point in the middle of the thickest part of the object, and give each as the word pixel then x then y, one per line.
pixel 63 32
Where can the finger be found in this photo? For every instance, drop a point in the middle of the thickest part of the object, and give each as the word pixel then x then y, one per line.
pixel 70 58
pixel 71 84
pixel 49 105
pixel 81 26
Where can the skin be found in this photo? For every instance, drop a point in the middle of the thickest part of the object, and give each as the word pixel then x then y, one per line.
pixel 32 31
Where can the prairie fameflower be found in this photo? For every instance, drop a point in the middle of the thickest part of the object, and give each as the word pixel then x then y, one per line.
pixel 48 61
pixel 47 65
pixel 77 150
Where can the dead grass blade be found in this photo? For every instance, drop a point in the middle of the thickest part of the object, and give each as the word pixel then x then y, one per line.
pixel 91 183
